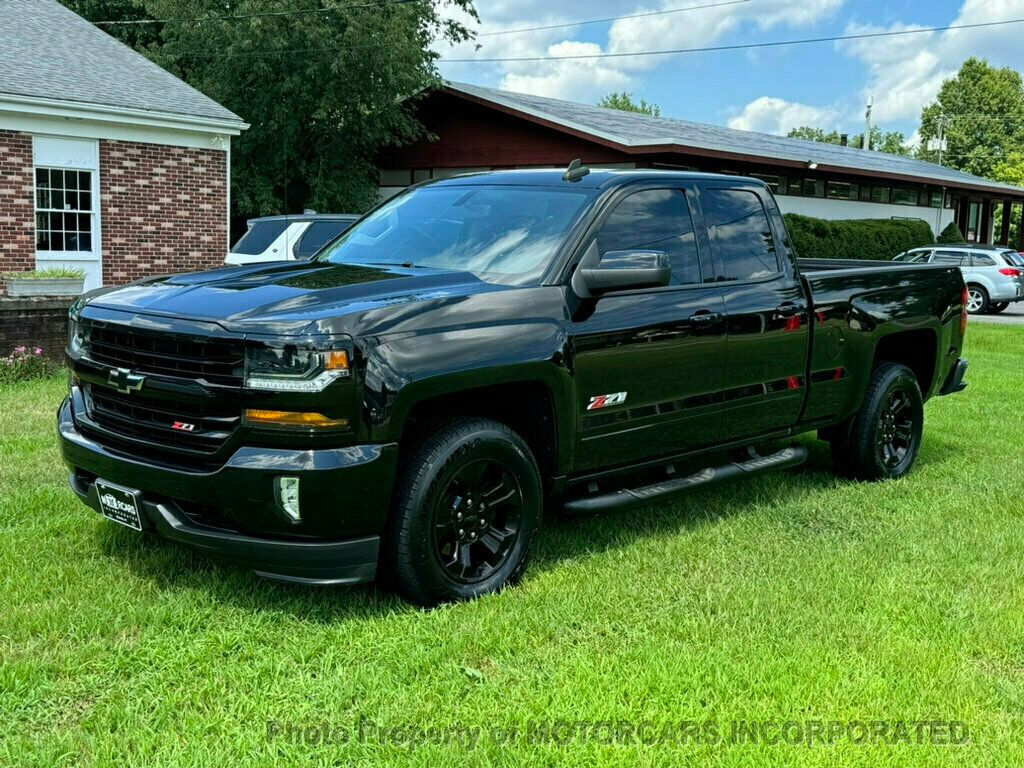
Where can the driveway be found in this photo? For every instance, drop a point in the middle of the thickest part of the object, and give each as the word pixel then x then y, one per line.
pixel 1012 315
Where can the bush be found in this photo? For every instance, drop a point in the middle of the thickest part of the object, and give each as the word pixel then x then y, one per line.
pixel 24 364
pixel 878 239
pixel 951 234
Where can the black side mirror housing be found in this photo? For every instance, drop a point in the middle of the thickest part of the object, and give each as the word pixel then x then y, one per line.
pixel 620 271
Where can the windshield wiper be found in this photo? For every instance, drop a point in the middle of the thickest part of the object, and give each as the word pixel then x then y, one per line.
pixel 404 264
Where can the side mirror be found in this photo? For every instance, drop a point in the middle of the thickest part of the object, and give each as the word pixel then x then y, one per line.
pixel 622 271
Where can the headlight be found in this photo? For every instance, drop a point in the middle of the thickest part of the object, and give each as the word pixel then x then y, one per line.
pixel 285 367
pixel 78 335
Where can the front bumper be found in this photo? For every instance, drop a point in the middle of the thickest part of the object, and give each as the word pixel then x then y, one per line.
pixel 344 499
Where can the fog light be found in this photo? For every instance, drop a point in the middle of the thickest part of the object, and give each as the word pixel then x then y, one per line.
pixel 288 497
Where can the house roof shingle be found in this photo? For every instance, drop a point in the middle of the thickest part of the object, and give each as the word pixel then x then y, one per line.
pixel 49 52
pixel 633 130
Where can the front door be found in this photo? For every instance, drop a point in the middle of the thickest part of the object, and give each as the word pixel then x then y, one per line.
pixel 67 203
pixel 768 334
pixel 650 363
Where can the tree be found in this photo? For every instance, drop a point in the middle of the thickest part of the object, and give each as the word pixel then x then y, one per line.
pixel 981 112
pixel 892 142
pixel 324 92
pixel 625 102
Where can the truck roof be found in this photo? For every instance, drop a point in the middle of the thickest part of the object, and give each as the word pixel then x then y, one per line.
pixel 598 178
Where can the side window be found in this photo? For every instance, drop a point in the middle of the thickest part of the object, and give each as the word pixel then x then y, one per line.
pixel 981 260
pixel 738 226
pixel 949 258
pixel 658 220
pixel 318 235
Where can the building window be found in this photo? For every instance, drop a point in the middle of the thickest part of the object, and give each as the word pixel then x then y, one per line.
pixel 865 193
pixel 949 200
pixel 904 196
pixel 64 210
pixel 775 183
pixel 841 190
pixel 879 194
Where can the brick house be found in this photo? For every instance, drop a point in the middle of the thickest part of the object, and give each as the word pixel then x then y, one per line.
pixel 107 162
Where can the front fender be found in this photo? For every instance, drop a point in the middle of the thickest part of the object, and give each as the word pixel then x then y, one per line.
pixel 403 371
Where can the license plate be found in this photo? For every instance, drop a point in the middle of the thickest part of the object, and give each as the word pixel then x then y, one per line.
pixel 119 504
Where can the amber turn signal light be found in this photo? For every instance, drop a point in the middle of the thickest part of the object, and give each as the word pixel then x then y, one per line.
pixel 292 419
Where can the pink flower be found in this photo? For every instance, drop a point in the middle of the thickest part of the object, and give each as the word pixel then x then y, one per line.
pixel 38 350
pixel 21 350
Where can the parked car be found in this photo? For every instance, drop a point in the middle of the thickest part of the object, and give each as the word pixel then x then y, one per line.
pixel 478 348
pixel 994 273
pixel 279 238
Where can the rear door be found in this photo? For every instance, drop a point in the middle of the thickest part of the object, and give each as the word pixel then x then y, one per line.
pixel 649 363
pixel 767 314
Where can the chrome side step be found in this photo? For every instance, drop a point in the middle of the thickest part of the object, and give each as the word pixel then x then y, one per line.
pixel 666 489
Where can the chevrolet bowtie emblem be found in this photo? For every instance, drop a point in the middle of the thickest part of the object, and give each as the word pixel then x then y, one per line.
pixel 124 381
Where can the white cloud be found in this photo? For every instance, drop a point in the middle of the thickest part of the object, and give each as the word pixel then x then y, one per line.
pixel 588 79
pixel 577 79
pixel 905 73
pixel 772 115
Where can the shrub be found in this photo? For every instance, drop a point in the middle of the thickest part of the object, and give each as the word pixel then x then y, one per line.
pixel 951 234
pixel 48 273
pixel 878 239
pixel 24 364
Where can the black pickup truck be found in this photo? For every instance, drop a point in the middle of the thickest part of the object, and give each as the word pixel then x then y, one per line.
pixel 478 349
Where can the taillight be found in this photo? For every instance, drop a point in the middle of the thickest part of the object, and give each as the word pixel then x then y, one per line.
pixel 1010 272
pixel 963 311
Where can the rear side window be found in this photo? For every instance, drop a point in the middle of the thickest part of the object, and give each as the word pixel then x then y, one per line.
pixel 260 236
pixel 948 257
pixel 319 234
pixel 981 260
pixel 738 226
pixel 657 220
pixel 1014 258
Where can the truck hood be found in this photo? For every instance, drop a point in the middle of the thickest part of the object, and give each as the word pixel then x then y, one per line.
pixel 285 298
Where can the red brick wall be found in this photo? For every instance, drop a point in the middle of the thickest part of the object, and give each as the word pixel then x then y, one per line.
pixel 163 209
pixel 17 209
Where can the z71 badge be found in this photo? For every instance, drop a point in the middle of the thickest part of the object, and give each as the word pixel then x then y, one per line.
pixel 603 401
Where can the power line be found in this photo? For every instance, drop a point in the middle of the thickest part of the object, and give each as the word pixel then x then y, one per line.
pixel 610 18
pixel 737 47
pixel 258 14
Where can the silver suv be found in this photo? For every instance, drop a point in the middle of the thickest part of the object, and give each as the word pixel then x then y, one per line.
pixel 994 273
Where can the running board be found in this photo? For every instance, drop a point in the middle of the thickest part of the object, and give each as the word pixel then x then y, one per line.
pixel 667 489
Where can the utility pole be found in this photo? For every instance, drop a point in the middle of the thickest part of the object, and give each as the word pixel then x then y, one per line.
pixel 942 135
pixel 866 144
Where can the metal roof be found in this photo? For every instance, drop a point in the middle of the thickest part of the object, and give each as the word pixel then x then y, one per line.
pixel 49 52
pixel 634 132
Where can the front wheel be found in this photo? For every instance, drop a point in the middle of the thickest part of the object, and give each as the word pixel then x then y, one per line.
pixel 882 439
pixel 977 299
pixel 466 510
pixel 997 306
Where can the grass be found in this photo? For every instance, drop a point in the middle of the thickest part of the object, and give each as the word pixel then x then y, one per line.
pixel 796 596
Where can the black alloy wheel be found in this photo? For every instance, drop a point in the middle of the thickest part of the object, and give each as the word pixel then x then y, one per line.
pixel 476 520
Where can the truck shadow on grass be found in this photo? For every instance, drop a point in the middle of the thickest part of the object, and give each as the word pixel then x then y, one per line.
pixel 562 538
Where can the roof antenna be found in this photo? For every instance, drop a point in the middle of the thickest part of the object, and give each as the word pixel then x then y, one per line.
pixel 576 171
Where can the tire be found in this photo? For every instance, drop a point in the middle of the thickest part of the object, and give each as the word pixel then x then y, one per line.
pixel 996 307
pixel 882 439
pixel 443 546
pixel 977 299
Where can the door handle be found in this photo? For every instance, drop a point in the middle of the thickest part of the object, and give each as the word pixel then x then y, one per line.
pixel 704 318
pixel 788 309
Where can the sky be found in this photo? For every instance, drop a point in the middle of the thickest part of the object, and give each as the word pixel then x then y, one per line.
pixel 770 90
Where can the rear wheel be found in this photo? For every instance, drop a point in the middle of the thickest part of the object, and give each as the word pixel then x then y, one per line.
pixel 467 508
pixel 882 439
pixel 994 308
pixel 977 299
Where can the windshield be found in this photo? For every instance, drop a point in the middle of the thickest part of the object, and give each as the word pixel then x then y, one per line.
pixel 501 234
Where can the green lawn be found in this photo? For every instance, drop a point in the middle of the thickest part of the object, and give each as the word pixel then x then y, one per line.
pixel 796 596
